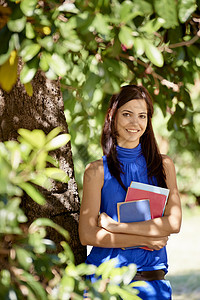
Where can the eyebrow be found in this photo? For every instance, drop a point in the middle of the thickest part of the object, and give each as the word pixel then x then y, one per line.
pixel 143 112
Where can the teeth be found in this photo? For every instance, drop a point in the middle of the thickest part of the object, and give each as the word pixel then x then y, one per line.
pixel 132 130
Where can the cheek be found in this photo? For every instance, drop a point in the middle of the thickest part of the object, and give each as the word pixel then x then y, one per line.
pixel 145 125
pixel 119 122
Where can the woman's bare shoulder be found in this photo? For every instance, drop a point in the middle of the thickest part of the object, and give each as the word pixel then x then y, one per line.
pixel 95 169
pixel 167 163
pixel 166 159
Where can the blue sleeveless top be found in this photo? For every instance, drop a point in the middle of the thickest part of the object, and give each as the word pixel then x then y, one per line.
pixel 134 168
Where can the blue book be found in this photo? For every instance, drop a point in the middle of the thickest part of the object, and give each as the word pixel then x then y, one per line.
pixel 134 211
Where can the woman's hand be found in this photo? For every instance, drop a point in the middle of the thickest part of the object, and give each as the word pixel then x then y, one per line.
pixel 106 222
pixel 156 243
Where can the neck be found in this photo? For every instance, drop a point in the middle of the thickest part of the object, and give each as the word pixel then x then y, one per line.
pixel 127 145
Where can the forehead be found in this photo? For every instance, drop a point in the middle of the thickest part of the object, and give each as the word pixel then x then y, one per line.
pixel 135 104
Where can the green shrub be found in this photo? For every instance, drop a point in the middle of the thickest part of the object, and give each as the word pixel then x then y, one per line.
pixel 29 269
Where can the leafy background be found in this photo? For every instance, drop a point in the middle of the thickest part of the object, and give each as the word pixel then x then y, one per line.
pixel 94 47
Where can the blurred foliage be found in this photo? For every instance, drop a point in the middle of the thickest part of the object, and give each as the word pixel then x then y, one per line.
pixel 183 148
pixel 96 46
pixel 30 267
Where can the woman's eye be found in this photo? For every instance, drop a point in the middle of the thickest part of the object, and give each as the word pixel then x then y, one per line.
pixel 126 114
pixel 143 116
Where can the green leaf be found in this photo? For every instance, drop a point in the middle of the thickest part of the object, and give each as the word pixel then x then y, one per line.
pixel 90 85
pixel 52 161
pixel 85 269
pixel 129 273
pixel 144 6
pixel 68 7
pixel 72 43
pixel 24 258
pixel 45 59
pixel 17 25
pixel 56 174
pixel 153 25
pixel 53 133
pixel 105 268
pixel 58 65
pixel 10 216
pixel 185 9
pixel 100 23
pixel 39 138
pixel 167 9
pixel 34 285
pixel 30 34
pixel 71 270
pixel 50 74
pixel 15 158
pixel 41 160
pixel 47 43
pixel 124 294
pixel 83 21
pixel 135 284
pixel 36 137
pixel 139 46
pixel 153 54
pixel 129 10
pixel 41 180
pixel 171 125
pixel 28 7
pixel 67 256
pixel 47 222
pixel 126 37
pixel 125 10
pixel 29 89
pixel 67 287
pixel 28 71
pixel 33 192
pixel 5 277
pixel 67 28
pixel 8 72
pixel 58 142
pixel 30 51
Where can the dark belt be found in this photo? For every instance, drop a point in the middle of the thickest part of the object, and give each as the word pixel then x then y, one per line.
pixel 150 275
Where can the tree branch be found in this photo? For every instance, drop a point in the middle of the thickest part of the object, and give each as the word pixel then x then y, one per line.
pixel 155 75
pixel 186 43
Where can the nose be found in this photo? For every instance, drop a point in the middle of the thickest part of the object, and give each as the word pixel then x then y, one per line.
pixel 134 120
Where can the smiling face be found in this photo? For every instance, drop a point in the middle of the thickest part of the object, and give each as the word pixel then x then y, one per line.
pixel 131 122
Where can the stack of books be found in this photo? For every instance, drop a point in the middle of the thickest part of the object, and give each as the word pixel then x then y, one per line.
pixel 143 202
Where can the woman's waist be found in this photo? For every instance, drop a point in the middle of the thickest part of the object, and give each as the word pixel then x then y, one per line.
pixel 144 259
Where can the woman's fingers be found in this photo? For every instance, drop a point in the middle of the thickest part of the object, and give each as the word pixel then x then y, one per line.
pixel 158 243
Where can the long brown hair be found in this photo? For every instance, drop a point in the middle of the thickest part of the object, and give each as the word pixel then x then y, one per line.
pixel 148 142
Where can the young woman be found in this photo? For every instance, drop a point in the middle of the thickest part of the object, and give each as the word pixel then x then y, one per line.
pixel 130 154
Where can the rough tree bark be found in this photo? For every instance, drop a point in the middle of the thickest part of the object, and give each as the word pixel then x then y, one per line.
pixel 45 110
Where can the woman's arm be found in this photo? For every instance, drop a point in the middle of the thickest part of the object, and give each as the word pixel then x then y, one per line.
pixel 89 231
pixel 158 227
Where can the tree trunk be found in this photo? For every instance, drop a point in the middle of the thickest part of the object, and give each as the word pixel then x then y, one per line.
pixel 45 110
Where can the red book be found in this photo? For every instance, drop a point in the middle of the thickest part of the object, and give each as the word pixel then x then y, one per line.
pixel 157 200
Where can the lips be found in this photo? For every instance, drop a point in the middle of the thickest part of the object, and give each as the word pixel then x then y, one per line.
pixel 132 130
